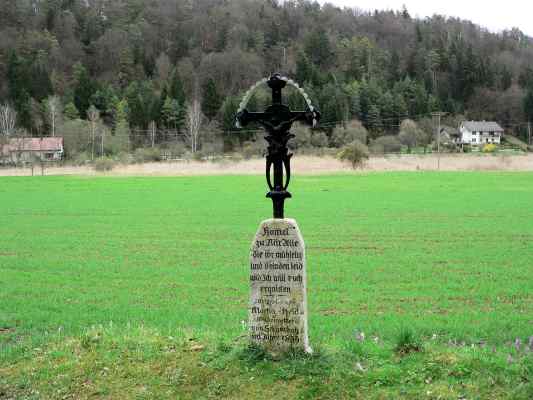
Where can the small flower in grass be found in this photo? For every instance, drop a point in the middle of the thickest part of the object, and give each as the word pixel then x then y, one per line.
pixel 359 336
pixel 517 344
pixel 509 359
pixel 531 343
pixel 244 325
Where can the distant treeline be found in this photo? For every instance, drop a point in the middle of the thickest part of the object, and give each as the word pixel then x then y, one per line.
pixel 134 63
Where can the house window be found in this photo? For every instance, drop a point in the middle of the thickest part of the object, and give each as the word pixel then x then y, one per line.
pixel 474 140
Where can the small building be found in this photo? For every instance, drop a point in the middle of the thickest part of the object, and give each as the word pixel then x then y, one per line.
pixel 23 150
pixel 449 135
pixel 478 133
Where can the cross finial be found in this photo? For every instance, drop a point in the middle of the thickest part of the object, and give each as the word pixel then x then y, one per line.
pixel 277 119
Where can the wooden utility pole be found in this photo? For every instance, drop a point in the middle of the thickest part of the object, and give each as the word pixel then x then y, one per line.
pixel 92 140
pixel 529 132
pixel 41 153
pixel 152 132
pixel 438 115
pixel 102 144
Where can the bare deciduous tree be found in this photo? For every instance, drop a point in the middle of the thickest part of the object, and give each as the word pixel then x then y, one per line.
pixel 93 115
pixel 194 123
pixel 53 107
pixel 8 119
pixel 163 67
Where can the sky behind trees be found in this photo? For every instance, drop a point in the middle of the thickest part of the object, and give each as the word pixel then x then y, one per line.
pixel 496 16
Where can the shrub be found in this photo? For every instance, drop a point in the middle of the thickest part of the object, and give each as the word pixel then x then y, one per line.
pixel 247 151
pixel 386 144
pixel 356 153
pixel 115 144
pixel 125 158
pixel 142 155
pixel 489 148
pixel 198 156
pixel 176 150
pixel 80 159
pixel 353 131
pixel 75 135
pixel 104 164
pixel 302 137
pixel 411 135
pixel 253 149
pixel 213 148
pixel 319 139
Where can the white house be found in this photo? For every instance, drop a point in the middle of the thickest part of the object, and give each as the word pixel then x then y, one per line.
pixel 478 133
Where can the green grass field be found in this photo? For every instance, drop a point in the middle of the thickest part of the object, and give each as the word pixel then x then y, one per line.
pixel 137 287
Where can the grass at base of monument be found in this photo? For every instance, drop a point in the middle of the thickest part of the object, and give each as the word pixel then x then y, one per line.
pixel 140 363
pixel 446 254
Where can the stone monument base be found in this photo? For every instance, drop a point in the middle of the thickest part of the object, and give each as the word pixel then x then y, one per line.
pixel 278 281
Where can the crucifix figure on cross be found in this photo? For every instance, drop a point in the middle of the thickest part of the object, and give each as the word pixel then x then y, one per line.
pixel 277 120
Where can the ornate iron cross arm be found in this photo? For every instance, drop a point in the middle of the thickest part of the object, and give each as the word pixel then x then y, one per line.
pixel 277 121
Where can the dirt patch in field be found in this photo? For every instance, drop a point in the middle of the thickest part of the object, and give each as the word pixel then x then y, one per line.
pixel 306 165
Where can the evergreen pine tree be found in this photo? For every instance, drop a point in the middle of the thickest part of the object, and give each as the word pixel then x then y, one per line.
pixel 121 112
pixel 303 69
pixel 83 90
pixel 506 79
pixel 355 106
pixel 71 112
pixel 126 72
pixel 374 118
pixel 40 85
pixel 222 39
pixel 528 104
pixel 318 48
pixel 172 114
pixel 175 89
pixel 121 133
pixel 211 100
pixel 229 109
pixel 401 111
pixel 18 79
pixel 394 67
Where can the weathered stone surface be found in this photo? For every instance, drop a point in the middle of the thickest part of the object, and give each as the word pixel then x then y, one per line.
pixel 278 300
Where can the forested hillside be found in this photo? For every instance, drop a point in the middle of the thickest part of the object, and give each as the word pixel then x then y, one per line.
pixel 126 63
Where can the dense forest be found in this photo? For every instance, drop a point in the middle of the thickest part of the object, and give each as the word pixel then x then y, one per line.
pixel 139 68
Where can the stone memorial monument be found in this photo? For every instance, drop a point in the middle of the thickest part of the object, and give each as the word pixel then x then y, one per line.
pixel 278 299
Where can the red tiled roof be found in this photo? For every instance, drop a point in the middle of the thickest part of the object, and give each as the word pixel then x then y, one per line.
pixel 34 144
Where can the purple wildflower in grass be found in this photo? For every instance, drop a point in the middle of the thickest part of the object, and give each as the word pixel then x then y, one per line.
pixel 359 336
pixel 509 359
pixel 517 344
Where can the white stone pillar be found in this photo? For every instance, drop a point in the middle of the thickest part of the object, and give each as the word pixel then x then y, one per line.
pixel 278 280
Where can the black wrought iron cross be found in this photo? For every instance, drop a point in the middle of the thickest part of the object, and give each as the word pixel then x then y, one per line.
pixel 277 119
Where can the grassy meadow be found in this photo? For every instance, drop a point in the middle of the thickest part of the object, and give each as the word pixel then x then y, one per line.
pixel 420 285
